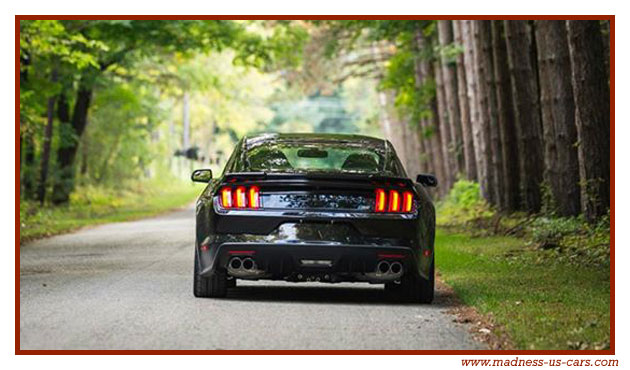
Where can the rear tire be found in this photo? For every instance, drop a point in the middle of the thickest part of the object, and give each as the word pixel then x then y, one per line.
pixel 413 288
pixel 213 286
pixel 231 283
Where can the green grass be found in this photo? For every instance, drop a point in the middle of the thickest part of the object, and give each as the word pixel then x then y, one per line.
pixel 542 303
pixel 94 205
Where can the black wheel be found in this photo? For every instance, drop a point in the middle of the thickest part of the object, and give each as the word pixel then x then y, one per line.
pixel 213 286
pixel 231 283
pixel 413 288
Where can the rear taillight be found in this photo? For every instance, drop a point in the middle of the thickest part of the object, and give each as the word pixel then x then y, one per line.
pixel 393 201
pixel 226 197
pixel 240 197
pixel 254 197
pixel 407 201
pixel 380 201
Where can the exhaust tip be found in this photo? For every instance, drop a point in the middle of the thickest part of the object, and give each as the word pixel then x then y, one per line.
pixel 395 267
pixel 235 263
pixel 248 264
pixel 382 267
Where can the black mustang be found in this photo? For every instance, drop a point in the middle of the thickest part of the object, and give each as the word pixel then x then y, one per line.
pixel 315 207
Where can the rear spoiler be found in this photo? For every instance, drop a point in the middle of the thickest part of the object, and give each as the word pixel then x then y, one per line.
pixel 303 178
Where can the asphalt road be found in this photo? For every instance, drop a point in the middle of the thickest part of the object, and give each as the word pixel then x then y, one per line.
pixel 129 286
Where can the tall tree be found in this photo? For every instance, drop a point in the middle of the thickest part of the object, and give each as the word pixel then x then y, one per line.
pixel 124 43
pixel 441 116
pixel 48 134
pixel 429 125
pixel 470 162
pixel 473 100
pixel 592 114
pixel 526 112
pixel 449 82
pixel 509 170
pixel 483 37
pixel 558 116
pixel 483 122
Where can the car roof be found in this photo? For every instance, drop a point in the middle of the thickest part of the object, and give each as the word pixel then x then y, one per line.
pixel 266 138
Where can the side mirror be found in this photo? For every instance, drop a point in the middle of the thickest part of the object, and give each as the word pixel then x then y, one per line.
pixel 201 175
pixel 427 180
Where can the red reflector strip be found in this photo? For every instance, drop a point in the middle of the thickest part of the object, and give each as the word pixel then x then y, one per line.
pixel 407 201
pixel 226 198
pixel 394 201
pixel 254 197
pixel 383 255
pixel 241 252
pixel 239 197
pixel 379 206
pixel 427 252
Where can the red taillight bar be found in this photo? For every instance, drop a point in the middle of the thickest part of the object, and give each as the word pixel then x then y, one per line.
pixel 395 202
pixel 240 197
pixel 380 201
pixel 407 201
pixel 254 197
pixel 226 197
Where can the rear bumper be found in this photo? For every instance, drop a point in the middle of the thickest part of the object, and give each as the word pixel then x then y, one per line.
pixel 329 262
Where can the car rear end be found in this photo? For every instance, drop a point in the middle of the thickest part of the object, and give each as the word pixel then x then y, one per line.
pixel 323 226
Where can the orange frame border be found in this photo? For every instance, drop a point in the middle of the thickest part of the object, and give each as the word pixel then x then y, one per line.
pixel 610 351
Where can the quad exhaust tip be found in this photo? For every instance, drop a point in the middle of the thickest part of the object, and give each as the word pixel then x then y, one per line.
pixel 242 264
pixel 383 267
pixel 248 264
pixel 387 268
pixel 236 263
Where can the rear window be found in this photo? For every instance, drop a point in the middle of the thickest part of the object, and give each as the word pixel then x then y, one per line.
pixel 317 157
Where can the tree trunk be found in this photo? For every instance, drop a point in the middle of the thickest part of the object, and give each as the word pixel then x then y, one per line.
pixel 441 163
pixel 67 152
pixel 558 117
pixel 48 133
pixel 505 118
pixel 27 144
pixel 489 113
pixel 592 115
pixel 84 155
pixel 429 130
pixel 449 81
pixel 605 25
pixel 27 170
pixel 443 128
pixel 422 151
pixel 473 99
pixel 186 121
pixel 414 147
pixel 470 162
pixel 481 126
pixel 526 112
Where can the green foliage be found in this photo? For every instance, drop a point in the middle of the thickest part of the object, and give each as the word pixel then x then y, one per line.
pixel 573 240
pixel 137 72
pixel 527 296
pixel 569 239
pixel 463 205
pixel 90 205
pixel 449 53
pixel 413 99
